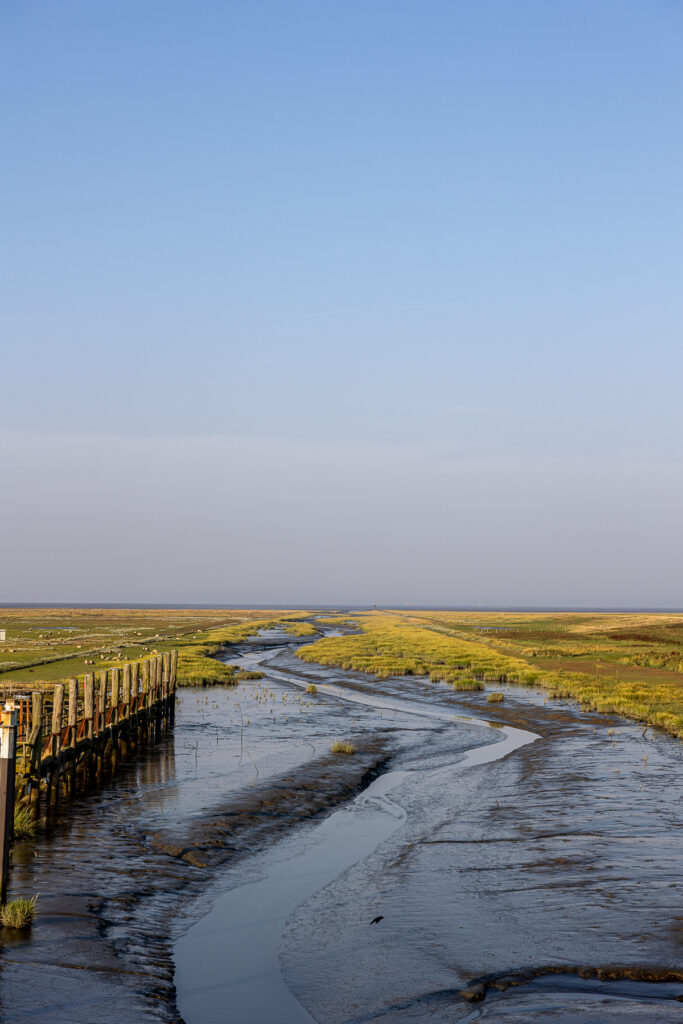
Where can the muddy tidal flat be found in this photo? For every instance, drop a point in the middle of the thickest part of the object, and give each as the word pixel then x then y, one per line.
pixel 446 871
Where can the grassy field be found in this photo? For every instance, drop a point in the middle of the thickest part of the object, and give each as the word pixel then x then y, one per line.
pixel 44 645
pixel 623 663
pixel 629 664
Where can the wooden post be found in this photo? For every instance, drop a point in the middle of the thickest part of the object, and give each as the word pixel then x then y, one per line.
pixel 115 694
pixel 158 710
pixel 134 686
pixel 101 702
pixel 166 678
pixel 8 753
pixel 72 720
pixel 172 686
pixel 89 706
pixel 145 680
pixel 125 700
pixel 36 744
pixel 57 713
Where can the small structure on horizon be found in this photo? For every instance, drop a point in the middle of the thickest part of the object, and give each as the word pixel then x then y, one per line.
pixel 3 634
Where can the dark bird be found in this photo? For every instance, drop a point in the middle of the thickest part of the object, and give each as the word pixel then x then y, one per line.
pixel 376 920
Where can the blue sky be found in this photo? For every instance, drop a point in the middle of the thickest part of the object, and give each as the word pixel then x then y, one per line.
pixel 441 240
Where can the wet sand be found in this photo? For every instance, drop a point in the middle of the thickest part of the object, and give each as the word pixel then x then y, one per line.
pixel 562 857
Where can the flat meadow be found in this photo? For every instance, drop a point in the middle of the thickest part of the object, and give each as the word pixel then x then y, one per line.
pixel 45 645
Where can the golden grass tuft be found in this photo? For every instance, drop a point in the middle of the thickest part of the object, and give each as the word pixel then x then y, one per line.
pixel 18 913
pixel 25 825
pixel 343 747
pixel 495 697
pixel 467 684
pixel 311 688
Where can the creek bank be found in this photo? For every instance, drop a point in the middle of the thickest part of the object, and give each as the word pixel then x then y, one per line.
pixel 117 868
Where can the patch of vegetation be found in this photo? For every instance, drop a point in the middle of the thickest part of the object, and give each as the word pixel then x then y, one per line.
pixel 580 656
pixel 243 674
pixel 25 825
pixel 45 645
pixel 302 629
pixel 311 688
pixel 343 747
pixel 18 913
pixel 495 697
pixel 467 684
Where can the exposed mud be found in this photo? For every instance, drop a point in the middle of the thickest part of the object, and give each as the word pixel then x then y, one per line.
pixel 546 885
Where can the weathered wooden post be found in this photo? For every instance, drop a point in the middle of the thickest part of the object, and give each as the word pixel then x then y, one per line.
pixel 158 694
pixel 72 734
pixel 165 684
pixel 125 700
pixel 56 738
pixel 88 715
pixel 144 701
pixel 101 702
pixel 72 720
pixel 89 706
pixel 8 754
pixel 57 711
pixel 173 685
pixel 35 741
pixel 115 694
pixel 133 706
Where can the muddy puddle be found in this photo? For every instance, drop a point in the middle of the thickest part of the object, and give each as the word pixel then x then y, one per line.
pixel 242 861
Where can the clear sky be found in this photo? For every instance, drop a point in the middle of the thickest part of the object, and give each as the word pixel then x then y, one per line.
pixel 354 301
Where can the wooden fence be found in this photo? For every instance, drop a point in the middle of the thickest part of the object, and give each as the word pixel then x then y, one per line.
pixel 76 727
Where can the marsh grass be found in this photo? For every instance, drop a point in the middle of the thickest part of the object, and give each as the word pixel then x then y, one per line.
pixel 302 629
pixel 18 913
pixel 311 688
pixel 527 649
pixel 495 697
pixel 467 684
pixel 343 747
pixel 25 825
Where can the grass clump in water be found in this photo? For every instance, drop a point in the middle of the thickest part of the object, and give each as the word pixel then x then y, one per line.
pixel 243 674
pixel 311 688
pixel 467 684
pixel 18 913
pixel 495 697
pixel 343 747
pixel 25 826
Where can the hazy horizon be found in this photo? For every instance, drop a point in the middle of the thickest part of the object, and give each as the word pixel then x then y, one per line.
pixel 362 303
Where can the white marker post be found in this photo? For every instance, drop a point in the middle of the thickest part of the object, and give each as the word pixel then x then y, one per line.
pixel 8 755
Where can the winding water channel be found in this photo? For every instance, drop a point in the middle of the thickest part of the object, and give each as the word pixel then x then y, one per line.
pixel 528 871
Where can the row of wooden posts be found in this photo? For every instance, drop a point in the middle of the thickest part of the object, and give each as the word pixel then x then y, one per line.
pixel 51 738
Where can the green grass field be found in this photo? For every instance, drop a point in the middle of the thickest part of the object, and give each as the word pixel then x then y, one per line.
pixel 44 645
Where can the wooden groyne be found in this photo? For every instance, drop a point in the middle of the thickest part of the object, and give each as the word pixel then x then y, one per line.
pixel 71 730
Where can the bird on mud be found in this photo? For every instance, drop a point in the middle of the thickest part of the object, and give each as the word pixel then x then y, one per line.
pixel 376 920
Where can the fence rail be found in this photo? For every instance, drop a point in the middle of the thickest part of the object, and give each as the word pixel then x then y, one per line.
pixel 77 725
